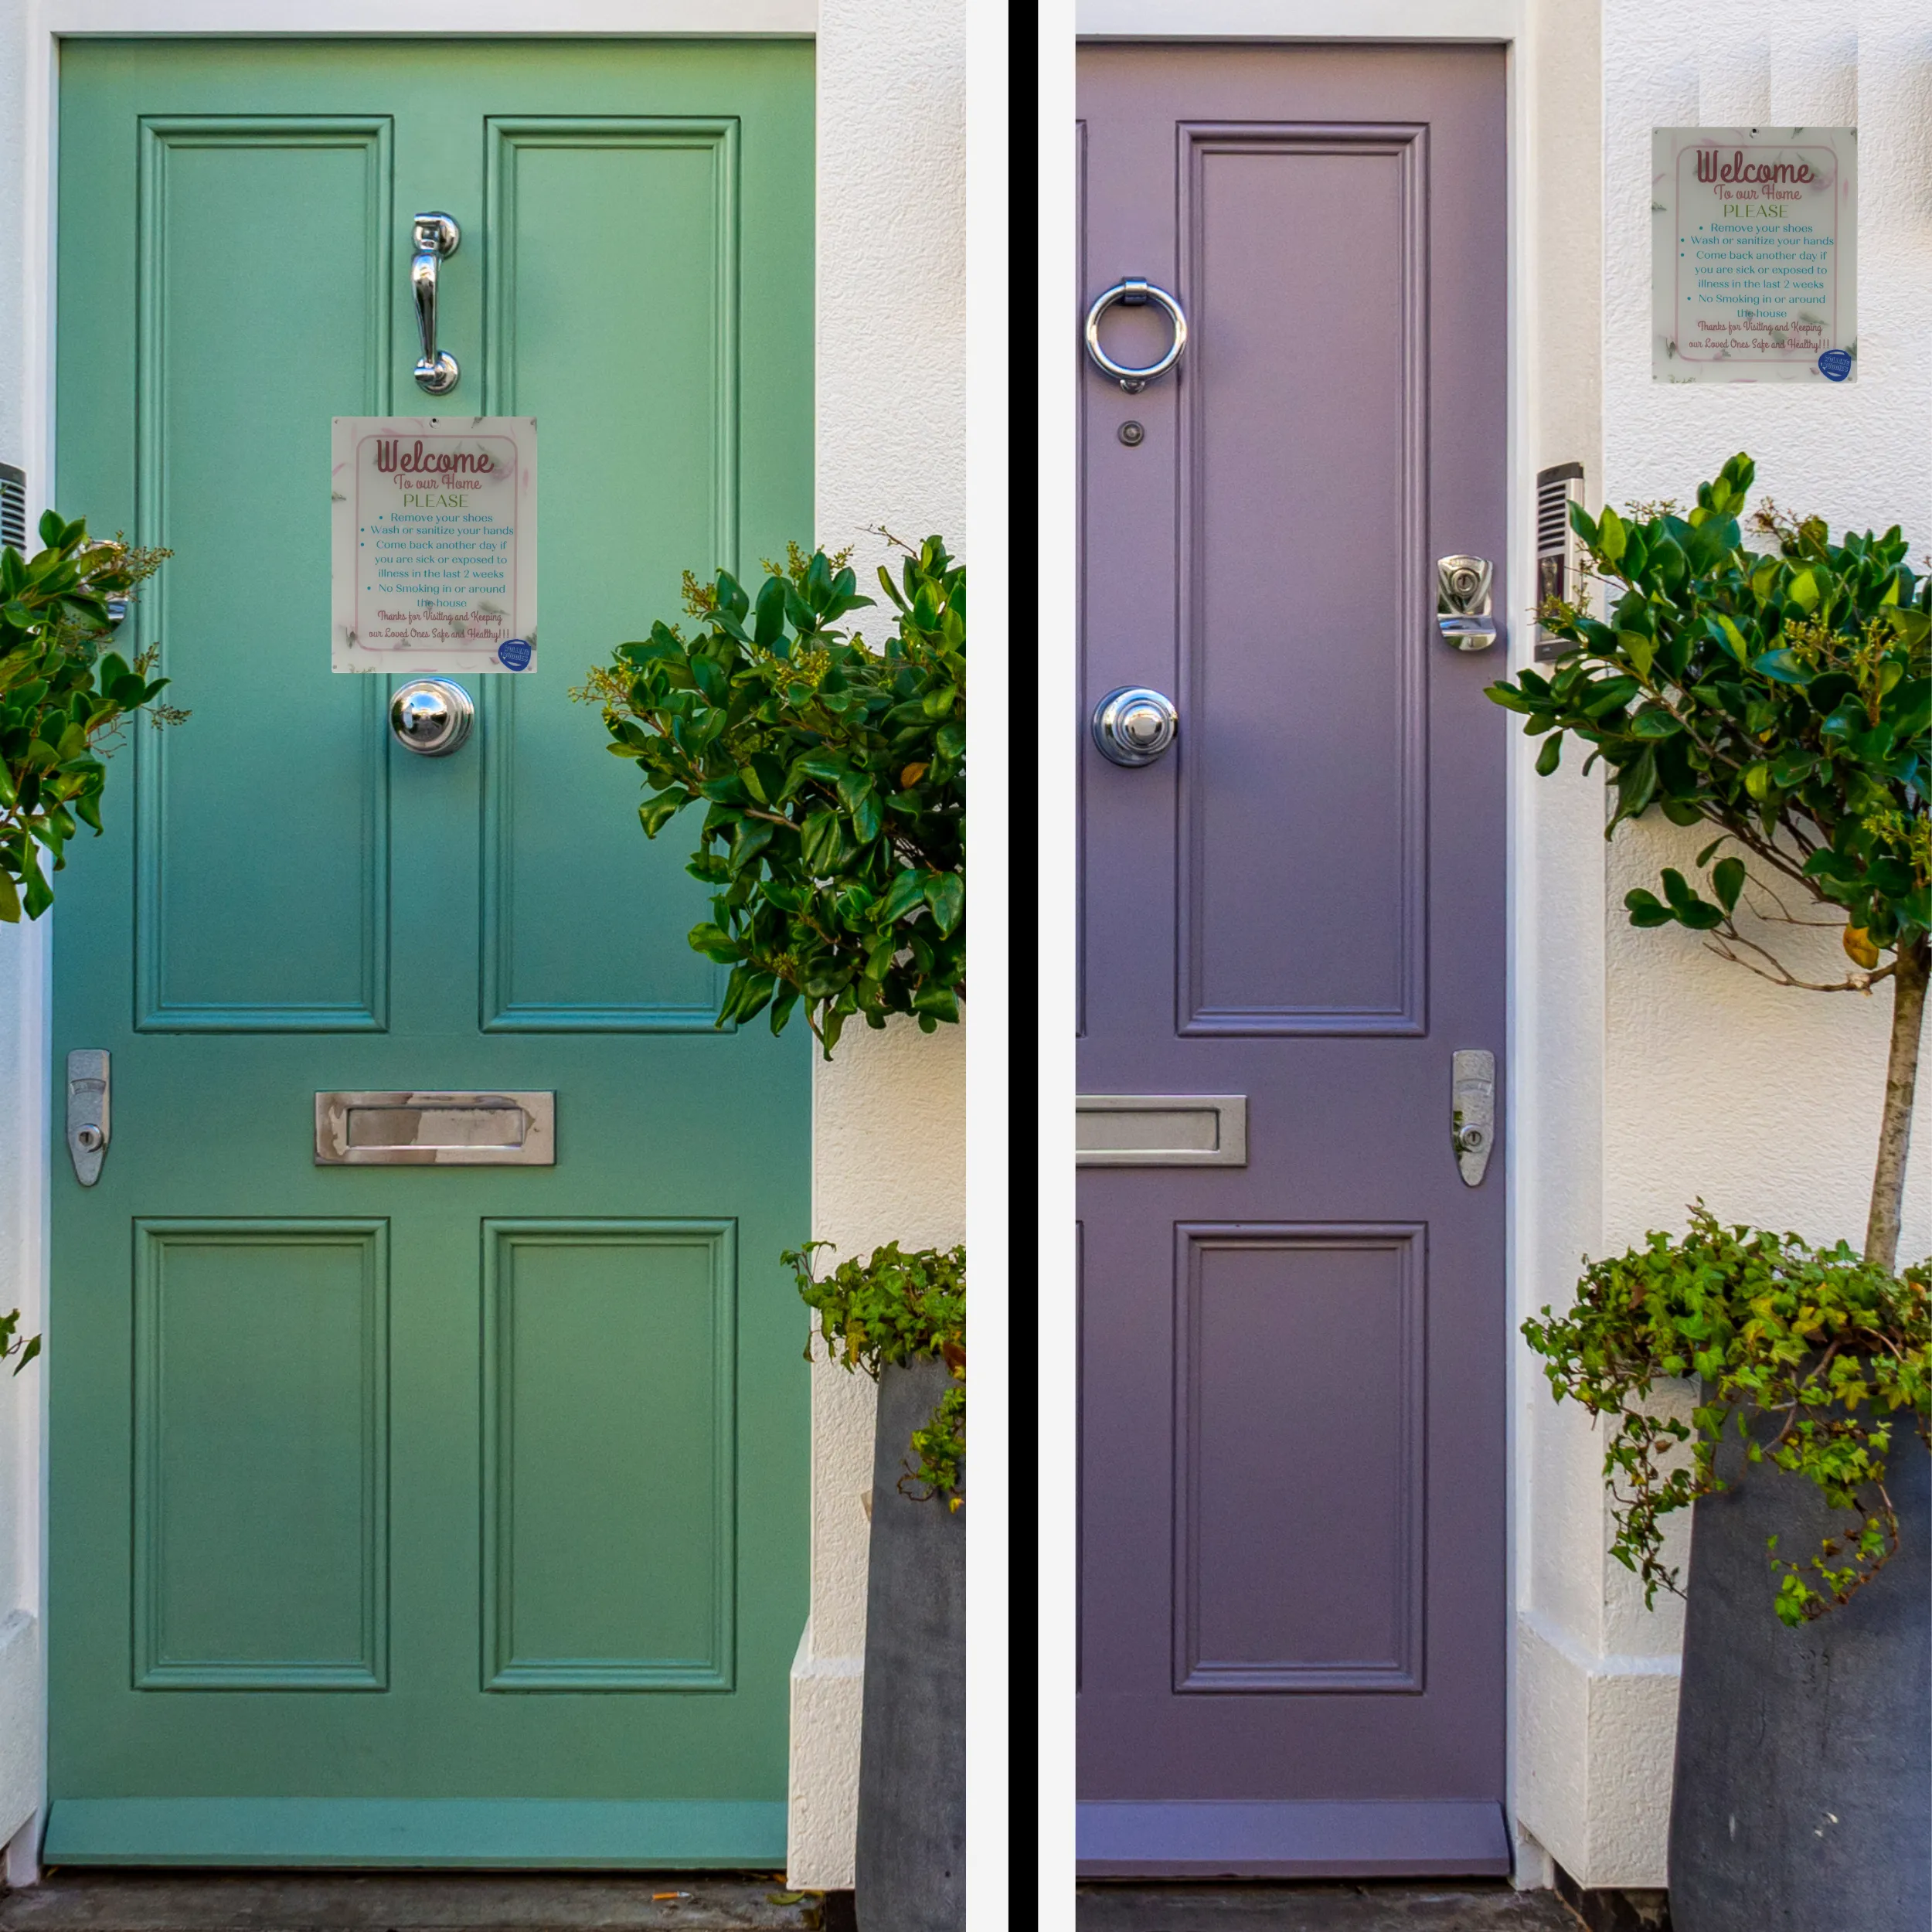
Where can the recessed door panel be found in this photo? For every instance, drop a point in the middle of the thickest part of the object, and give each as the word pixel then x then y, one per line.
pixel 261 1455
pixel 1302 662
pixel 1298 1480
pixel 622 364
pixel 228 485
pixel 608 1519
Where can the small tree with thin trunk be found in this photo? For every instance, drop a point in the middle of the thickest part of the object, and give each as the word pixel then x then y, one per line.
pixel 1784 700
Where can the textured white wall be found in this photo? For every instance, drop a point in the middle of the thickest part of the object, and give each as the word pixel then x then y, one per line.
pixel 1689 1077
pixel 23 1122
pixel 889 1112
pixel 1766 1100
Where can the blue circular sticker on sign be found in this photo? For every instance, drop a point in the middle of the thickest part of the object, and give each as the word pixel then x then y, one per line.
pixel 1836 363
pixel 514 654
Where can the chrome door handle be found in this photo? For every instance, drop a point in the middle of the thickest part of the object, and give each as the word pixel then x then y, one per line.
pixel 1133 725
pixel 436 238
pixel 1463 603
pixel 1134 293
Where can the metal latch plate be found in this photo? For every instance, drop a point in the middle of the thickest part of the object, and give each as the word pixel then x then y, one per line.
pixel 423 1127
pixel 89 1121
pixel 1161 1129
pixel 1473 1101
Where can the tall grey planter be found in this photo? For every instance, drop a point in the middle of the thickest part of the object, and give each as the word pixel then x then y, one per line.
pixel 911 1870
pixel 1803 1799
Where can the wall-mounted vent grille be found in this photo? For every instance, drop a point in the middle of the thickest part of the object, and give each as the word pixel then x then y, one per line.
pixel 13 506
pixel 1558 552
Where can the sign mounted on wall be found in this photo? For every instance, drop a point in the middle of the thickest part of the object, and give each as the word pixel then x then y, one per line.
pixel 434 544
pixel 1755 275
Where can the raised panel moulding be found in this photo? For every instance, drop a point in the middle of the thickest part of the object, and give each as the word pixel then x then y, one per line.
pixel 609 1483
pixel 261 1455
pixel 199 964
pixel 548 966
pixel 1299 1378
pixel 1204 1839
pixel 1303 886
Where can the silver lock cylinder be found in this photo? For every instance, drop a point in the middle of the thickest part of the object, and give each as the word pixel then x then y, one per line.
pixel 1473 1105
pixel 431 716
pixel 1463 604
pixel 89 1121
pixel 1134 726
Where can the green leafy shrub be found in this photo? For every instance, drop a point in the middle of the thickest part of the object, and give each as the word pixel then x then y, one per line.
pixel 894 1308
pixel 63 697
pixel 1783 699
pixel 14 1347
pixel 834 780
pixel 1837 1347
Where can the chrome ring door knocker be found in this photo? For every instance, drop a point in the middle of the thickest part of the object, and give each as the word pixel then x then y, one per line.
pixel 1135 293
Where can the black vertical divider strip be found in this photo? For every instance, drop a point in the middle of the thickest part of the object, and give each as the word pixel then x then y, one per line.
pixel 1028 1374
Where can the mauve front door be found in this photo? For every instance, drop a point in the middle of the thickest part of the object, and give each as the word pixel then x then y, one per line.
pixel 1293 1313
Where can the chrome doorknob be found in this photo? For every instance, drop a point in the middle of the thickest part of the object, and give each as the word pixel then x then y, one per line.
pixel 431 715
pixel 1133 725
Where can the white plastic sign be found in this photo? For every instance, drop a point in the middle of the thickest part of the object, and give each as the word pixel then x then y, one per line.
pixel 434 544
pixel 1755 275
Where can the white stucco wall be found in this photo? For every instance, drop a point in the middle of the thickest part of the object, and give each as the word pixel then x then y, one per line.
pixel 889 1111
pixel 1659 1073
pixel 23 955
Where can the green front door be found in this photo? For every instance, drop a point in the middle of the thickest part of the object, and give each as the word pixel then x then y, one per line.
pixel 421 1514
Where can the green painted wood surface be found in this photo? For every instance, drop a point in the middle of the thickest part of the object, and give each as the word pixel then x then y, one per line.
pixel 669 1835
pixel 421 1514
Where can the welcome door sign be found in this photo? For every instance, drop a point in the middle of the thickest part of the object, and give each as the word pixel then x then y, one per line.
pixel 1754 276
pixel 434 544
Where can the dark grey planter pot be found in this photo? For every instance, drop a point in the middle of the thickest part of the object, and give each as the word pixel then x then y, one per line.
pixel 910 1868
pixel 1803 1799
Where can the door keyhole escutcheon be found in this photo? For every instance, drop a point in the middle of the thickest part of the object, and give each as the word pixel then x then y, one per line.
pixel 431 716
pixel 1134 726
pixel 436 237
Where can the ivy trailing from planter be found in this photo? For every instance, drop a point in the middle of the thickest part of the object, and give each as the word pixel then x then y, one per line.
pixel 834 780
pixel 891 1310
pixel 1835 1346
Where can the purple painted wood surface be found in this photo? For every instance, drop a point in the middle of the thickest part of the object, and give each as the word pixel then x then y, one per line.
pixel 1293 1465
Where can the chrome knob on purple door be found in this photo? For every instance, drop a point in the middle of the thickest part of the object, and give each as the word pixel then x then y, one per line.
pixel 1134 726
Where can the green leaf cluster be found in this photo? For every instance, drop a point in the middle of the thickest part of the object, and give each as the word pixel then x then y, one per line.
pixel 1782 697
pixel 14 1347
pixel 893 1308
pixel 1839 1351
pixel 833 780
pixel 63 696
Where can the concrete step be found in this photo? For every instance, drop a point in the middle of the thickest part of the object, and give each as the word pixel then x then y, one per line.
pixel 1397 1906
pixel 75 1901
